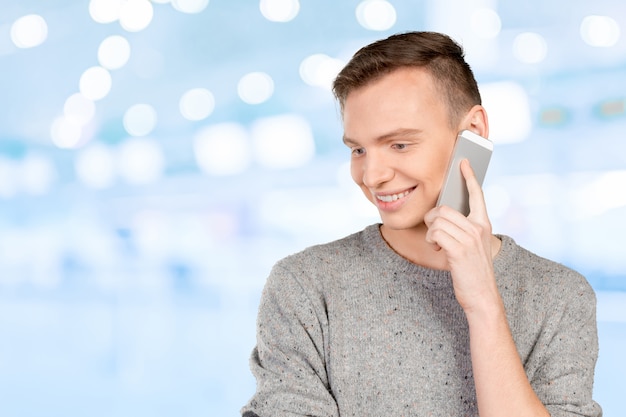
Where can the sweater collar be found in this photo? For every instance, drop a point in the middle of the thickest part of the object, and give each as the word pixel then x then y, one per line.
pixel 393 261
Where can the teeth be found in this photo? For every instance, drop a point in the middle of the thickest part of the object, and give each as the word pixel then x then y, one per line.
pixel 392 197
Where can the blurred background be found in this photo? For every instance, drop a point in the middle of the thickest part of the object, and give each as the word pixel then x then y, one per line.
pixel 157 158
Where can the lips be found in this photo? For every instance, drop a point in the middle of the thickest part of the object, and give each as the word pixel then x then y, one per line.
pixel 389 198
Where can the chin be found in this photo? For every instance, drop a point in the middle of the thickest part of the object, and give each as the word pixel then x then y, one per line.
pixel 403 223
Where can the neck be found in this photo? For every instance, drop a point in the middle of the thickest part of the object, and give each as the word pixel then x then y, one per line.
pixel 411 244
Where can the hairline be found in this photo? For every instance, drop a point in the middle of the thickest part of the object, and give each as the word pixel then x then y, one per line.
pixel 453 115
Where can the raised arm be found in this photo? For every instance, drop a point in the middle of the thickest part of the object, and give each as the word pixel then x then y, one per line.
pixel 502 387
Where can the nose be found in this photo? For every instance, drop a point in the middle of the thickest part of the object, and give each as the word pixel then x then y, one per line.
pixel 376 170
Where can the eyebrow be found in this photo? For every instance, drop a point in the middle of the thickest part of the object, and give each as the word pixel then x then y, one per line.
pixel 394 134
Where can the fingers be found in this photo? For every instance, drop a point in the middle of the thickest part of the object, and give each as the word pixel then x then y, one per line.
pixel 476 196
pixel 446 227
pixel 450 230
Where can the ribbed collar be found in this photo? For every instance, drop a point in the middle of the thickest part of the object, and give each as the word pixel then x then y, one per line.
pixel 392 261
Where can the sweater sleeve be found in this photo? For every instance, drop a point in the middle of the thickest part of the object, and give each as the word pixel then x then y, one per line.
pixel 564 380
pixel 288 361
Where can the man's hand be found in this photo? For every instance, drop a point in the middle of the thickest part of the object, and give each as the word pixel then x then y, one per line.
pixel 467 243
pixel 502 388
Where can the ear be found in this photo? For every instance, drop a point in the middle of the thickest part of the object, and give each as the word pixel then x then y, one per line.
pixel 476 121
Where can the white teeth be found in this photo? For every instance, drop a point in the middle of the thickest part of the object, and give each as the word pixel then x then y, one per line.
pixel 392 197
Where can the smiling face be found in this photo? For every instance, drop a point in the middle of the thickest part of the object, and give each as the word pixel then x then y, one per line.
pixel 401 138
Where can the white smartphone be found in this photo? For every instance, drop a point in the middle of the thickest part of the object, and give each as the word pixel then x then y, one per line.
pixel 478 151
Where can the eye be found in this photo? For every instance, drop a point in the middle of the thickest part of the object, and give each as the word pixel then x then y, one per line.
pixel 357 151
pixel 399 146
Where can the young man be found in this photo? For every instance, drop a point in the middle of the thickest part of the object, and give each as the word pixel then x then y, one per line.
pixel 428 313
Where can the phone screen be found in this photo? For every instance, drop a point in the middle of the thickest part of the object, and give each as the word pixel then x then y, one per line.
pixel 478 151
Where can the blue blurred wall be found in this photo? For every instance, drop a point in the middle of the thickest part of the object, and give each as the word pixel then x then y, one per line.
pixel 134 242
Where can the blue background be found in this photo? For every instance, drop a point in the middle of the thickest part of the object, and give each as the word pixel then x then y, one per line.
pixel 138 295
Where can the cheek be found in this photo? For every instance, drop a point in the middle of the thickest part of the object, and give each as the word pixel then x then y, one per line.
pixel 439 165
pixel 430 172
pixel 441 170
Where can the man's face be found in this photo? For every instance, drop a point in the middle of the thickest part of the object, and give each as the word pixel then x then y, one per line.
pixel 398 130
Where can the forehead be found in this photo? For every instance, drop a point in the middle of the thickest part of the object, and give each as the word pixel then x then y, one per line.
pixel 406 83
pixel 404 98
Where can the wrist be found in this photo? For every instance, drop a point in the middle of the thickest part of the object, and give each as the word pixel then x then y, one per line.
pixel 486 313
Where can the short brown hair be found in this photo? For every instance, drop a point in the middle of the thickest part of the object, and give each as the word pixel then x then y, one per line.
pixel 436 52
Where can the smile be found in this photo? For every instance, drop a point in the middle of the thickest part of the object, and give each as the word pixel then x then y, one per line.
pixel 393 197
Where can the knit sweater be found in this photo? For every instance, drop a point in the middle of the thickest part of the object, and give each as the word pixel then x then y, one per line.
pixel 351 328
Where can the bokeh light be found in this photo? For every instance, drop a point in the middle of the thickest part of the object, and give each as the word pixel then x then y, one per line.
pixel 279 10
pixel 530 48
pixel 320 70
pixel 282 142
pixel 197 104
pixel 29 31
pixel 105 11
pixel 37 174
pixel 140 119
pixel 114 52
pixel 255 87
pixel 508 107
pixel 140 161
pixel 486 23
pixel 95 166
pixel 600 31
pixel 66 132
pixel 190 6
pixel 136 15
pixel 95 83
pixel 376 15
pixel 79 109
pixel 223 149
pixel 599 195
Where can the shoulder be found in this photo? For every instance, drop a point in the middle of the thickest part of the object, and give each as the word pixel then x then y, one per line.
pixel 519 265
pixel 335 254
pixel 319 264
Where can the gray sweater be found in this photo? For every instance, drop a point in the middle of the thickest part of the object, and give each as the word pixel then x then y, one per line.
pixel 351 328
